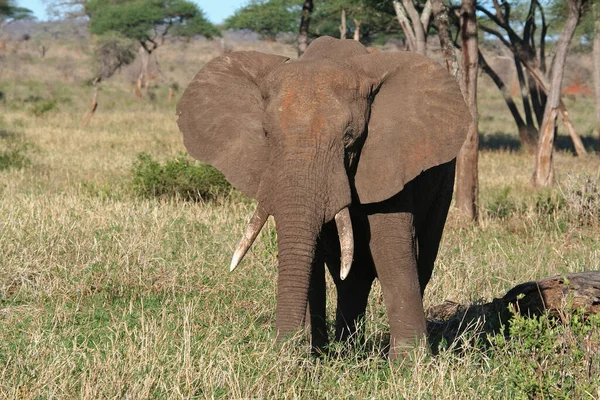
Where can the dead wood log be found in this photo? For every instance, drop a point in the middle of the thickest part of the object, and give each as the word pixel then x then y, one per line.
pixel 571 291
pixel 556 295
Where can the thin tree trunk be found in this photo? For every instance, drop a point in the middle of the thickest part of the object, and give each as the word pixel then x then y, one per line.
pixel 405 25
pixel 307 8
pixel 143 76
pixel 566 119
pixel 538 99
pixel 357 30
pixel 596 57
pixel 467 185
pixel 88 115
pixel 343 25
pixel 440 15
pixel 544 168
pixel 524 92
pixel 420 37
pixel 528 134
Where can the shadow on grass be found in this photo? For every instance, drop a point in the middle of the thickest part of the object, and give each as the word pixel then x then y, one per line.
pixel 558 296
pixel 506 142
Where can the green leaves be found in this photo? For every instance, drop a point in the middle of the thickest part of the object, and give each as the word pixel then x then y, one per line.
pixel 147 20
pixel 9 11
pixel 267 17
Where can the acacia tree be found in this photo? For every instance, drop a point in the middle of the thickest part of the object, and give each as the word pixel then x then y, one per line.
pixel 596 57
pixel 361 19
pixel 10 12
pixel 266 17
pixel 530 63
pixel 544 168
pixel 148 22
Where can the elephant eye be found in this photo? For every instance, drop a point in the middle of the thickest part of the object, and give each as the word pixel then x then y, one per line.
pixel 348 136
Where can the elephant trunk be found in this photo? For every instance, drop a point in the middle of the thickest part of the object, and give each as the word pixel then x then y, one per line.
pixel 297 238
pixel 299 210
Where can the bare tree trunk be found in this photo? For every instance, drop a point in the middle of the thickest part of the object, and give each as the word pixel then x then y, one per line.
pixel 544 168
pixel 418 29
pixel 442 21
pixel 467 181
pixel 142 81
pixel 307 8
pixel 596 57
pixel 88 115
pixel 343 25
pixel 405 25
pixel 528 134
pixel 566 118
pixel 357 30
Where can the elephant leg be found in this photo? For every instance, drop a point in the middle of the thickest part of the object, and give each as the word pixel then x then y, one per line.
pixel 429 232
pixel 352 292
pixel 394 255
pixel 352 296
pixel 317 302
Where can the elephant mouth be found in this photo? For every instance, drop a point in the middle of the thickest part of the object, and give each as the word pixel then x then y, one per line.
pixel 259 218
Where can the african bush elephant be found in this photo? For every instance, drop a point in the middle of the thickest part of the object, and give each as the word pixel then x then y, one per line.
pixel 352 153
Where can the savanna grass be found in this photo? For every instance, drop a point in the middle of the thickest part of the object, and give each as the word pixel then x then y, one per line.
pixel 106 294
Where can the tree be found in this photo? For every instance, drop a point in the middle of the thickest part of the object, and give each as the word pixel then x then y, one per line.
pixel 66 9
pixel 148 22
pixel 544 168
pixel 267 17
pixel 464 69
pixel 530 62
pixel 596 57
pixel 307 8
pixel 10 12
pixel 467 176
pixel 363 19
pixel 111 53
pixel 414 24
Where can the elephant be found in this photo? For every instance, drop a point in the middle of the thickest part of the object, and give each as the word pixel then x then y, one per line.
pixel 353 153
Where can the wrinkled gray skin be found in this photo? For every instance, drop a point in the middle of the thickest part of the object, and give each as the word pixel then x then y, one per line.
pixel 342 127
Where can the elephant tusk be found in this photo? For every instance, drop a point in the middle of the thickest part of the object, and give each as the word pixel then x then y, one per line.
pixel 256 223
pixel 344 227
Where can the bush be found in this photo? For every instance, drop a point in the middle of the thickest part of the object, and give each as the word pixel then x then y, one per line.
pixel 42 107
pixel 550 358
pixel 12 150
pixel 14 157
pixel 501 205
pixel 179 177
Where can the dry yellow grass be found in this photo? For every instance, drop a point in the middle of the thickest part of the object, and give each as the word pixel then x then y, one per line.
pixel 104 294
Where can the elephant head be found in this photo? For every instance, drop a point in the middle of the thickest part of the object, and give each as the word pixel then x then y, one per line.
pixel 308 138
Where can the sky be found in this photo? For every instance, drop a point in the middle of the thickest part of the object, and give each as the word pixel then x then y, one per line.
pixel 215 10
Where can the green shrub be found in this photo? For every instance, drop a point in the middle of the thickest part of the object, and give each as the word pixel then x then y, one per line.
pixel 42 107
pixel 548 203
pixel 550 357
pixel 13 155
pixel 179 177
pixel 501 206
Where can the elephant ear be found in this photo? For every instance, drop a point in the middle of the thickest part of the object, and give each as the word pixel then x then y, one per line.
pixel 328 48
pixel 418 120
pixel 220 116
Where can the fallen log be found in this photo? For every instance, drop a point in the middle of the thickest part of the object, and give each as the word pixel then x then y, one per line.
pixel 555 295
